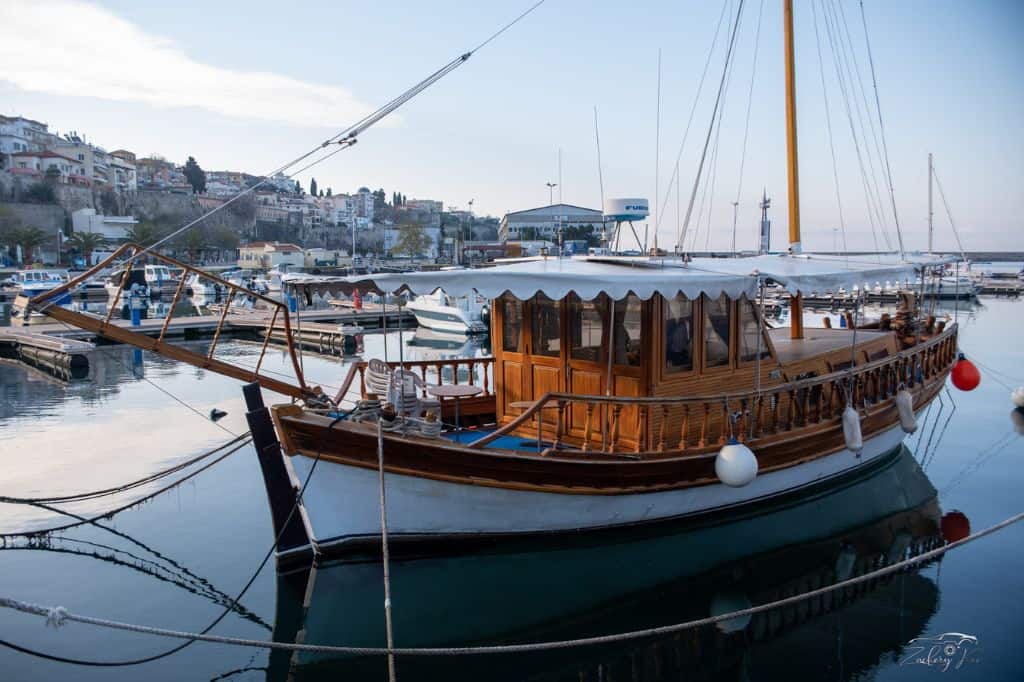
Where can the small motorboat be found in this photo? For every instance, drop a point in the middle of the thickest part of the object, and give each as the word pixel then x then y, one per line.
pixel 460 314
pixel 160 279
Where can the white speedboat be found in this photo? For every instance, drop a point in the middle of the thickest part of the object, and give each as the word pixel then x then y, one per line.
pixel 201 287
pixel 441 312
pixel 952 286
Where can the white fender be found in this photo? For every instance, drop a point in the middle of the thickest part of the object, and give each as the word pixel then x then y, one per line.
pixel 851 430
pixel 1018 396
pixel 735 465
pixel 905 407
pixel 728 602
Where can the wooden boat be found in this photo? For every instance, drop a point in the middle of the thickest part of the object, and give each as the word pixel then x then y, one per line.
pixel 614 386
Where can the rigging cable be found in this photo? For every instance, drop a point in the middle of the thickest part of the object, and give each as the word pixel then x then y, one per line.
pixel 746 125
pixel 874 215
pixel 714 115
pixel 689 121
pixel 828 125
pixel 881 127
pixel 854 73
pixel 344 139
pixel 949 214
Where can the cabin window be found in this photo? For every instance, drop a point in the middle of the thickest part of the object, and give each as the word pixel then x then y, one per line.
pixel 678 334
pixel 717 330
pixel 511 324
pixel 750 330
pixel 547 327
pixel 626 331
pixel 586 326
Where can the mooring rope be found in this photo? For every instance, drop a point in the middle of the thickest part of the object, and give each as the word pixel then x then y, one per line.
pixel 83 521
pixel 59 615
pixel 78 497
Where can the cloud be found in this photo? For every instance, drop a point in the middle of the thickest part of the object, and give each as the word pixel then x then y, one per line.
pixel 78 49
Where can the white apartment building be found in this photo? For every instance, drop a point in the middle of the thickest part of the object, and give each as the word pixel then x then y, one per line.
pixel 35 165
pixel 20 134
pixel 270 255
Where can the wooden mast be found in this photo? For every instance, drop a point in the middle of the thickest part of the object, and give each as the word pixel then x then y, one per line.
pixel 796 305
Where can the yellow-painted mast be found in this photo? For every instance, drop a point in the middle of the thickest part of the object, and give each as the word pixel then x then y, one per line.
pixel 796 305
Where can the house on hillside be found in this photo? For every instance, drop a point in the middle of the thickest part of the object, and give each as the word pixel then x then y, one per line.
pixel 270 255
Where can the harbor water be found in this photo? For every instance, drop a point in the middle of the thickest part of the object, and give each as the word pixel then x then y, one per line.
pixel 179 559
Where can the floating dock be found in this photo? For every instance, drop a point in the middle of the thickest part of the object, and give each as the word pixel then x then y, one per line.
pixel 65 358
pixel 63 350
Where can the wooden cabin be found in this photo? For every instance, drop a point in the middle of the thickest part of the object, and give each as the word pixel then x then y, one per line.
pixel 658 347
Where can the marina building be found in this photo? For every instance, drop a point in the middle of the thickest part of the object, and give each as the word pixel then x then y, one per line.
pixel 544 222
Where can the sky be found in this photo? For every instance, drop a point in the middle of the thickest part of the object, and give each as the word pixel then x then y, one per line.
pixel 249 86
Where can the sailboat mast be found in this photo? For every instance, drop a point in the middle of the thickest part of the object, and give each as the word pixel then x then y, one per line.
pixel 796 307
pixel 930 212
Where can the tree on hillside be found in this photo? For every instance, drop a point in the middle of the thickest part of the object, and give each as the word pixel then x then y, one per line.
pixel 85 243
pixel 379 200
pixel 328 191
pixel 412 240
pixel 194 242
pixel 29 238
pixel 39 193
pixel 312 187
pixel 298 188
pixel 195 175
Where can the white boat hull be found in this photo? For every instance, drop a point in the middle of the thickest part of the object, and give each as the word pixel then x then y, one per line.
pixel 342 502
pixel 445 319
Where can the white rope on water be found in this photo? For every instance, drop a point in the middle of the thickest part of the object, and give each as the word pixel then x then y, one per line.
pixel 58 615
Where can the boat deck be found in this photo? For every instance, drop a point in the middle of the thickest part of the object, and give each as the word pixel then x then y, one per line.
pixel 817 341
pixel 509 442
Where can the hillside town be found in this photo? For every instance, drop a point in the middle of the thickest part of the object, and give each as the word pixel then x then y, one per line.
pixel 64 199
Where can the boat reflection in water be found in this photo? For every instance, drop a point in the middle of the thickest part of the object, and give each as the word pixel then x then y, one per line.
pixel 596 584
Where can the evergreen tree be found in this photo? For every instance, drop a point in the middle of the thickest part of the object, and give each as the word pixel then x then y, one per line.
pixel 328 191
pixel 195 175
pixel 312 187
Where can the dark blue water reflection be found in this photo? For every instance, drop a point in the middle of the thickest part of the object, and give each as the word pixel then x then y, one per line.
pixel 176 560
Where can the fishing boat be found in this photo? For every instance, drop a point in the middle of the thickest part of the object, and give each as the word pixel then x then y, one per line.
pixel 623 392
pixel 441 312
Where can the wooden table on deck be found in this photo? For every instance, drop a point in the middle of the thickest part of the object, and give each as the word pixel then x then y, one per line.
pixel 456 392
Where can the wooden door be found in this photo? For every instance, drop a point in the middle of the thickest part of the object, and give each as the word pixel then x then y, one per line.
pixel 510 374
pixel 545 351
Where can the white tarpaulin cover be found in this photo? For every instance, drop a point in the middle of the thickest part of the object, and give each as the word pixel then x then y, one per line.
pixel 588 277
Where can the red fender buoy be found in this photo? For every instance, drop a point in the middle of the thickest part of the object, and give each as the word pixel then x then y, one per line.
pixel 954 526
pixel 357 299
pixel 965 375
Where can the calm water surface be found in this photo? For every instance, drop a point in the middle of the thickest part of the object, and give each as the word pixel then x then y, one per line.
pixel 177 560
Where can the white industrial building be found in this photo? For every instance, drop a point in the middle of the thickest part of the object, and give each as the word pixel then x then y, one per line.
pixel 545 221
pixel 114 228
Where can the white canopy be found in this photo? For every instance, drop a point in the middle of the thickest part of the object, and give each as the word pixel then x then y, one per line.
pixel 617 277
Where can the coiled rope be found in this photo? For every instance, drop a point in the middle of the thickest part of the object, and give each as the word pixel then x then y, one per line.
pixel 58 616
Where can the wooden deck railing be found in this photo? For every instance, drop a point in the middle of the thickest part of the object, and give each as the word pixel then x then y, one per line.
pixel 674 425
pixel 430 372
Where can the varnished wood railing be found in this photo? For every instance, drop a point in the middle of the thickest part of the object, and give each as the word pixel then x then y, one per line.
pixel 689 423
pixel 430 372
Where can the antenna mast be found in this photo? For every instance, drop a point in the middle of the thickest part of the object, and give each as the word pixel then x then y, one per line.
pixel 931 228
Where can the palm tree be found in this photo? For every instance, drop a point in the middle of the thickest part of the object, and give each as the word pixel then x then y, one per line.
pixel 144 234
pixel 28 239
pixel 85 243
